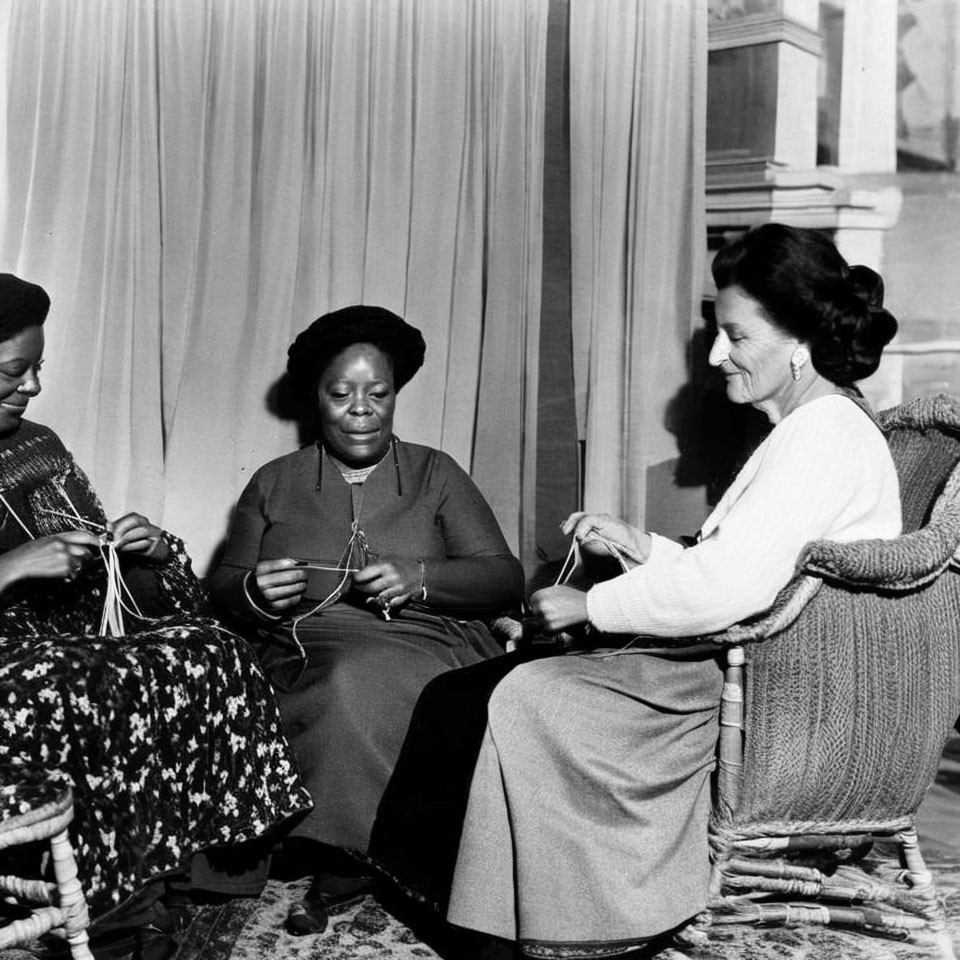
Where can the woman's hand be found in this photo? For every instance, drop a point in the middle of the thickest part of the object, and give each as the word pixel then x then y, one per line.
pixel 57 557
pixel 392 580
pixel 134 533
pixel 559 607
pixel 280 583
pixel 589 528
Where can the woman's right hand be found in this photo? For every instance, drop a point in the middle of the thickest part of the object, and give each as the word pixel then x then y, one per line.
pixel 57 557
pixel 591 529
pixel 280 583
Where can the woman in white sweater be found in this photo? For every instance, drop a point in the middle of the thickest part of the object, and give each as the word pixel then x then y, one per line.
pixel 586 827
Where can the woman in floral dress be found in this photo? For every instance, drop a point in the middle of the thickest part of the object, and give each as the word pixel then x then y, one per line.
pixel 169 732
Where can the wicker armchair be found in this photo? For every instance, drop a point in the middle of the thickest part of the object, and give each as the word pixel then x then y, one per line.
pixel 832 727
pixel 36 805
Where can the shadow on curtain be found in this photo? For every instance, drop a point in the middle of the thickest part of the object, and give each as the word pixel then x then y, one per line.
pixel 638 124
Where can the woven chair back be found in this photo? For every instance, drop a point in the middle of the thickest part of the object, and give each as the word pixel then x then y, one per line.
pixel 848 708
pixel 924 455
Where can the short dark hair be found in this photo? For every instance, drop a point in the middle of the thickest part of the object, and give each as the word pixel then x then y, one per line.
pixel 808 290
pixel 22 304
pixel 329 335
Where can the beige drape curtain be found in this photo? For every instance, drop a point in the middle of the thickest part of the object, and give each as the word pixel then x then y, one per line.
pixel 196 180
pixel 80 214
pixel 637 118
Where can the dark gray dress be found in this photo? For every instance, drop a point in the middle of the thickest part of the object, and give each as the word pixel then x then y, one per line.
pixel 348 679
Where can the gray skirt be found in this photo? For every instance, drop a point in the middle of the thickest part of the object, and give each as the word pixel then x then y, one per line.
pixel 586 828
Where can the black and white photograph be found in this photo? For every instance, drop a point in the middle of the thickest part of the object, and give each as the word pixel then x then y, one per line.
pixel 479 480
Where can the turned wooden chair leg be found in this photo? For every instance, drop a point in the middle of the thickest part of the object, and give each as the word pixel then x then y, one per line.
pixel 40 807
pixel 920 879
pixel 73 904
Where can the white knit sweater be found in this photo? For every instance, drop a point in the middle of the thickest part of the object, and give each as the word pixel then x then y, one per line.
pixel 824 472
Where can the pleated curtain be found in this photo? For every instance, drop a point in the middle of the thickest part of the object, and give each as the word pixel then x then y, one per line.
pixel 194 181
pixel 637 119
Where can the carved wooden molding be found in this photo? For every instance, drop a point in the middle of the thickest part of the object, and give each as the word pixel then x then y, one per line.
pixel 755 29
pixel 815 198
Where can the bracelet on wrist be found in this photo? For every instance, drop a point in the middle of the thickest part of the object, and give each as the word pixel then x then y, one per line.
pixel 423 577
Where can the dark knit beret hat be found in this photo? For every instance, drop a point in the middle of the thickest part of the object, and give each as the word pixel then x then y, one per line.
pixel 332 333
pixel 22 304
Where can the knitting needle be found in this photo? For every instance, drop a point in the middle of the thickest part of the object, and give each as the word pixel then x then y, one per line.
pixel 78 519
pixel 314 565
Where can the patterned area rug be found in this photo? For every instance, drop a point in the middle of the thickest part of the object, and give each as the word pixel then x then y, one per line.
pixel 372 930
pixel 253 930
pixel 249 929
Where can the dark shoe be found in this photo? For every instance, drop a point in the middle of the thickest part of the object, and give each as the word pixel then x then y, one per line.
pixel 312 914
pixel 306 917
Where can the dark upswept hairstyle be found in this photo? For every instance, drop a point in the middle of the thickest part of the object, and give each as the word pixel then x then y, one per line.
pixel 22 304
pixel 332 333
pixel 808 290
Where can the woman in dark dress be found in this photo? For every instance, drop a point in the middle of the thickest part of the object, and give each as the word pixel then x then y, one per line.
pixel 365 566
pixel 169 733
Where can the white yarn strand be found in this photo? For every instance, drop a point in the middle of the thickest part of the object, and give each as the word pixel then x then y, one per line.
pixel 74 514
pixel 357 541
pixel 117 596
pixel 92 524
pixel 114 604
pixel 573 560
pixel 13 513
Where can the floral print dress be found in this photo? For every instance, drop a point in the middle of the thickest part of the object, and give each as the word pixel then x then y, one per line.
pixel 169 734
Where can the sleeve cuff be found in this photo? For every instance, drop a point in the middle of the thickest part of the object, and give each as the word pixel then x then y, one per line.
pixel 608 602
pixel 603 607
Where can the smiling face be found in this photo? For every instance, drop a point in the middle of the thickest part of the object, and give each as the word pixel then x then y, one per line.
pixel 753 354
pixel 20 360
pixel 356 399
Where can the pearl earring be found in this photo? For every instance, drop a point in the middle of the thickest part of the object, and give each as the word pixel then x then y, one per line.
pixel 797 362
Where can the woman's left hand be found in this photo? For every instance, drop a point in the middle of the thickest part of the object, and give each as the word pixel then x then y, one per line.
pixel 392 580
pixel 559 607
pixel 134 533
